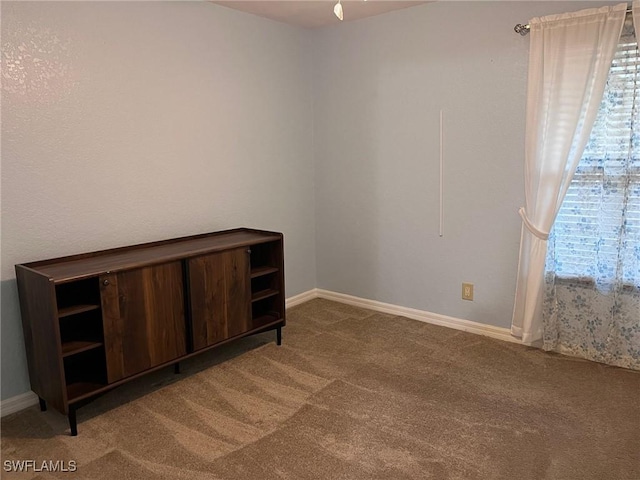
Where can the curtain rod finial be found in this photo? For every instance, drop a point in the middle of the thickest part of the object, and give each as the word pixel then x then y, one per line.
pixel 521 29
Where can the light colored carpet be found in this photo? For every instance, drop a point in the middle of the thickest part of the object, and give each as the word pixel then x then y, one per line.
pixel 352 394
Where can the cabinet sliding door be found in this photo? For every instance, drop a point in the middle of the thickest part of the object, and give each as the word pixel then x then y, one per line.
pixel 143 318
pixel 220 296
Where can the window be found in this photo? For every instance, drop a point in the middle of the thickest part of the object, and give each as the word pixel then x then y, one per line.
pixel 596 237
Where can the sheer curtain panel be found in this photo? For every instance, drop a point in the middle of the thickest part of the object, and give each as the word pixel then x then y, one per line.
pixel 591 306
pixel 569 60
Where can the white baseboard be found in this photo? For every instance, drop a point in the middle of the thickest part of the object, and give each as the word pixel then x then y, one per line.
pixel 301 298
pixel 500 333
pixel 17 403
pixel 25 400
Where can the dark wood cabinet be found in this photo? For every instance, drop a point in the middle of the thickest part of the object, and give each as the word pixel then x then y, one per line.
pixel 94 321
pixel 220 296
pixel 143 318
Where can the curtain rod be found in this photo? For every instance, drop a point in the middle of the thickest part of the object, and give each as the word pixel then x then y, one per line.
pixel 524 29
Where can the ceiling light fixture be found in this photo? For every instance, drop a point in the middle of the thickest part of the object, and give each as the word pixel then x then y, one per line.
pixel 338 10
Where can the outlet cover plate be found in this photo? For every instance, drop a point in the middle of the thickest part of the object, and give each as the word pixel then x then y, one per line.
pixel 467 291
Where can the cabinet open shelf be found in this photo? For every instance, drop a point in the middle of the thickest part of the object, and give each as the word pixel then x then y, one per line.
pixel 266 320
pixel 84 367
pixel 96 320
pixel 81 331
pixel 78 346
pixel 78 389
pixel 262 294
pixel 261 271
pixel 265 255
pixel 77 296
pixel 76 309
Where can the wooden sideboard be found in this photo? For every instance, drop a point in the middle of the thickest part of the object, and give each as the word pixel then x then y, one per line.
pixel 97 320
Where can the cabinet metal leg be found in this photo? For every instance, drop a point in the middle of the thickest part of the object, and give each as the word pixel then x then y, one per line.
pixel 279 336
pixel 176 368
pixel 73 423
pixel 43 404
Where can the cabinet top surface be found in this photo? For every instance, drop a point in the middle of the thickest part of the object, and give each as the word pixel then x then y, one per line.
pixel 91 264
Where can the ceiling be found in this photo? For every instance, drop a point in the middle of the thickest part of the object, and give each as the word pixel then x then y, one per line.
pixel 313 13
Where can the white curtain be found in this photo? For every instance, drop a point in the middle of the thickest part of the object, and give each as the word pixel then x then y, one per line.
pixel 569 60
pixel 591 300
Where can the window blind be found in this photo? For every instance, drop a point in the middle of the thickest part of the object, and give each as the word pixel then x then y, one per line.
pixel 596 236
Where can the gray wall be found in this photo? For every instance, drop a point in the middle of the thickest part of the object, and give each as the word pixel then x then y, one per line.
pixel 128 122
pixel 379 86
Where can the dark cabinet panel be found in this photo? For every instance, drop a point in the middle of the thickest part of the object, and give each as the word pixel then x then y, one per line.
pixel 143 318
pixel 42 338
pixel 220 296
pixel 96 320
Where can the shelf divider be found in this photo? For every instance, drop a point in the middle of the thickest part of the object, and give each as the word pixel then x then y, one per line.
pixel 264 320
pixel 76 309
pixel 75 390
pixel 78 346
pixel 262 294
pixel 260 271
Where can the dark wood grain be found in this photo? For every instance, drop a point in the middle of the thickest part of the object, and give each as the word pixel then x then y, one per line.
pixel 128 311
pixel 74 347
pixel 270 256
pixel 266 324
pixel 262 294
pixel 79 389
pixel 76 309
pixel 71 268
pixel 264 321
pixel 279 261
pixel 42 336
pixel 207 297
pixel 113 326
pixel 237 271
pixel 261 271
pixel 219 296
pixel 144 322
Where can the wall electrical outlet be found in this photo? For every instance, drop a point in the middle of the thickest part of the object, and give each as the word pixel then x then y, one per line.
pixel 467 291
